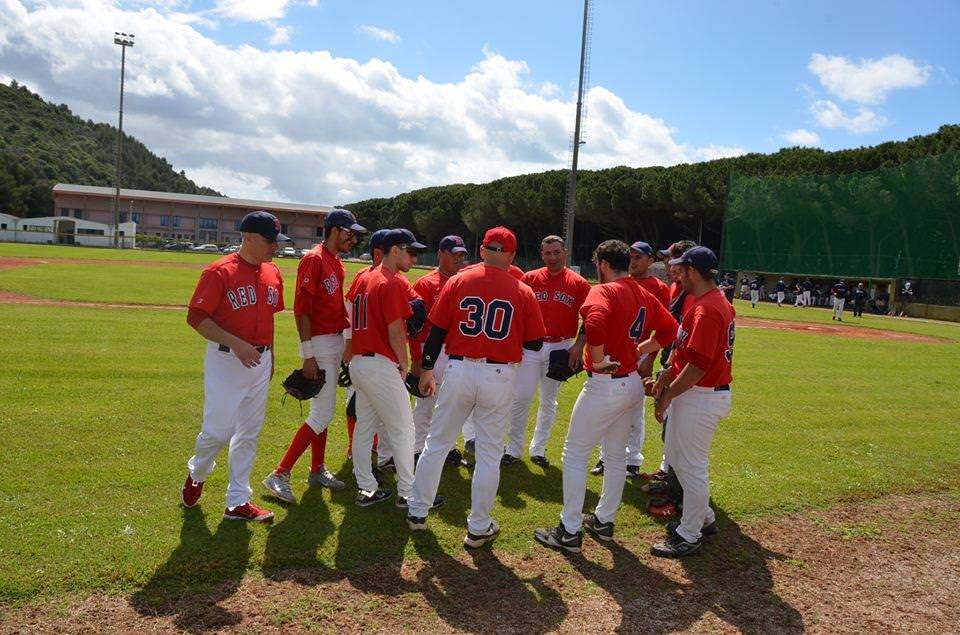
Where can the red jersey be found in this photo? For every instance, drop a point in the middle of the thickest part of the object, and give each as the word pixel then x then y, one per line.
pixel 658 288
pixel 319 293
pixel 619 315
pixel 706 339
pixel 240 297
pixel 428 289
pixel 515 271
pixel 486 312
pixel 560 297
pixel 379 297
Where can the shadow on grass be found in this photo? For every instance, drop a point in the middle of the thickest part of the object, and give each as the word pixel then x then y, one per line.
pixel 729 578
pixel 292 543
pixel 519 480
pixel 203 570
pixel 490 598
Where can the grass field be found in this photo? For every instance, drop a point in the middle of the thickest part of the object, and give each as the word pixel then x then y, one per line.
pixel 101 408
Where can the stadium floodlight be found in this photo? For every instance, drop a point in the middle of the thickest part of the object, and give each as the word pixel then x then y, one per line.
pixel 123 40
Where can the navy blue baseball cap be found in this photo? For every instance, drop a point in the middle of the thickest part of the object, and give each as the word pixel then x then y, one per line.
pixel 265 224
pixel 643 248
pixel 700 258
pixel 344 219
pixel 376 238
pixel 400 237
pixel 454 244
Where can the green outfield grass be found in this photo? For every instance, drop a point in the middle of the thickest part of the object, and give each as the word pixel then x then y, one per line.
pixel 101 408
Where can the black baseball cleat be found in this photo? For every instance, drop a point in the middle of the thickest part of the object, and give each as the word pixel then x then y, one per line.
pixel 388 465
pixel 508 459
pixel 416 523
pixel 633 471
pixel 455 458
pixel 402 502
pixel 366 499
pixel 706 530
pixel 470 447
pixel 598 469
pixel 539 459
pixel 559 538
pixel 475 541
pixel 600 530
pixel 675 547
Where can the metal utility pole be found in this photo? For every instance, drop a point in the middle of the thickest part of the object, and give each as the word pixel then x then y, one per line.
pixel 123 40
pixel 571 199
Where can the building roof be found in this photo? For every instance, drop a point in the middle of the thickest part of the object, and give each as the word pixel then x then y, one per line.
pixel 193 199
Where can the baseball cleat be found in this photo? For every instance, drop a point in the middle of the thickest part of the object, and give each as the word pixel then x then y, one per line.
pixel 325 478
pixel 659 475
pixel 601 530
pixel 475 541
pixel 470 447
pixel 674 547
pixel 706 530
pixel 387 466
pixel 366 499
pixel 559 538
pixel 662 509
pixel 655 488
pixel 416 523
pixel 597 469
pixel 402 502
pixel 190 492
pixel 508 459
pixel 278 485
pixel 633 471
pixel 455 458
pixel 539 459
pixel 248 511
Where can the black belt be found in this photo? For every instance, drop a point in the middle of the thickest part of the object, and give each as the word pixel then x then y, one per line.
pixel 368 355
pixel 590 374
pixel 489 361
pixel 721 388
pixel 226 349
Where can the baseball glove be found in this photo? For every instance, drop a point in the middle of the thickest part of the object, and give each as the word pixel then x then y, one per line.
pixel 413 385
pixel 559 369
pixel 299 387
pixel 343 379
pixel 416 321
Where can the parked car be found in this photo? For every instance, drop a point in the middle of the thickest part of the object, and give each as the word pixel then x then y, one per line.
pixel 288 252
pixel 207 247
pixel 229 249
pixel 178 246
pixel 365 256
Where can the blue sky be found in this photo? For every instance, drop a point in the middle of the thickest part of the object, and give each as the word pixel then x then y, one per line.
pixel 349 99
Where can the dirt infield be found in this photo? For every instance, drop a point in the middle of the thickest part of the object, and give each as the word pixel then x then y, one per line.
pixel 11 262
pixel 838 330
pixel 887 565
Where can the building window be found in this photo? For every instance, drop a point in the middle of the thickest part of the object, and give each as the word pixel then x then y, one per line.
pixel 176 221
pixel 208 223
pixel 64 211
pixel 123 217
pixel 164 220
pixel 3 225
pixel 90 232
pixel 78 213
pixel 285 229
pixel 319 232
pixel 136 217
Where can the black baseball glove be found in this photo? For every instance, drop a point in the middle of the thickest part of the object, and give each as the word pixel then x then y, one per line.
pixel 416 321
pixel 343 379
pixel 559 369
pixel 413 385
pixel 299 387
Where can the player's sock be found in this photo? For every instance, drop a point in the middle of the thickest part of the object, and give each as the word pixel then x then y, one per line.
pixel 351 424
pixel 304 436
pixel 373 448
pixel 318 451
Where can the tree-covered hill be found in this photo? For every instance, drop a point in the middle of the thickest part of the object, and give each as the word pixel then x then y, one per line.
pixel 655 204
pixel 42 144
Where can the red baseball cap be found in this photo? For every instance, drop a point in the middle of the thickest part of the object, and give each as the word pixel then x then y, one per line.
pixel 503 238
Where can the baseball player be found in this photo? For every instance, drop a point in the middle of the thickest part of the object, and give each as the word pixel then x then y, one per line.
pixel 839 292
pixel 560 292
pixel 754 291
pixel 615 314
pixel 321 318
pixel 450 255
pixel 380 306
pixel 233 308
pixel 807 292
pixel 484 318
pixel 859 300
pixel 693 396
pixel 781 291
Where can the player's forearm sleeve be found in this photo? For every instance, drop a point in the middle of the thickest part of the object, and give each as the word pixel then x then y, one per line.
pixel 431 348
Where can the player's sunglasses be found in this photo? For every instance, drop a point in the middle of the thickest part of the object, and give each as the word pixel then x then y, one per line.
pixel 349 233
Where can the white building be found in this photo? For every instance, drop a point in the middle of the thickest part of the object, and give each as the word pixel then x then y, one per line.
pixel 53 230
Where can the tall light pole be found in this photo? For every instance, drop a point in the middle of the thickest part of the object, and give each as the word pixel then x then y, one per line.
pixel 123 40
pixel 570 206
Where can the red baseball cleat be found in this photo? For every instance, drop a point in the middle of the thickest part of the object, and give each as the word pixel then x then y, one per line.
pixel 662 510
pixel 249 511
pixel 190 492
pixel 659 475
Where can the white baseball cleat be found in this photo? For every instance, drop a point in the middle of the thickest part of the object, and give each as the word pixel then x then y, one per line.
pixel 278 485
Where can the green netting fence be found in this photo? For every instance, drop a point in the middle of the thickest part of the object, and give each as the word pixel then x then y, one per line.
pixel 896 222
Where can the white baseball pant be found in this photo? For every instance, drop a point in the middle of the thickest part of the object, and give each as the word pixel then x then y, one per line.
pixel 754 296
pixel 638 427
pixel 328 351
pixel 531 372
pixel 692 420
pixel 603 414
pixel 423 410
pixel 807 298
pixel 381 395
pixel 780 296
pixel 486 390
pixel 838 307
pixel 234 406
pixel 384 453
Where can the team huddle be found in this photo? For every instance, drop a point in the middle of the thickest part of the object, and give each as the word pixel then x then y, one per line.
pixel 472 344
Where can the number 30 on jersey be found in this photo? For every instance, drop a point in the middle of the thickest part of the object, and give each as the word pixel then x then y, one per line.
pixel 490 318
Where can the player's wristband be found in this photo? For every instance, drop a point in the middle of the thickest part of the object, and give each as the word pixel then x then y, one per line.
pixel 306 349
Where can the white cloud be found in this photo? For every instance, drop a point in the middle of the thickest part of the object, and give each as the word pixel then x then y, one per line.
pixel 830 115
pixel 869 80
pixel 281 35
pixel 378 33
pixel 252 10
pixel 309 126
pixel 802 137
pixel 711 152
